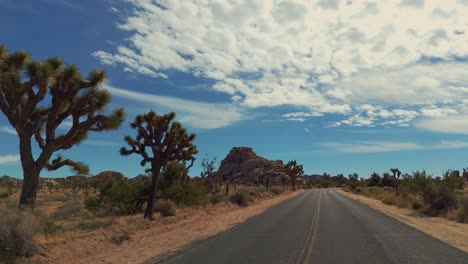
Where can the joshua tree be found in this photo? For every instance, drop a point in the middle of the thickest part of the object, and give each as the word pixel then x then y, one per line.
pixel 208 165
pixel 37 97
pixel 396 175
pixel 166 140
pixel 294 171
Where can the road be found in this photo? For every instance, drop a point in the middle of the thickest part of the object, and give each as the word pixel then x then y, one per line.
pixel 320 226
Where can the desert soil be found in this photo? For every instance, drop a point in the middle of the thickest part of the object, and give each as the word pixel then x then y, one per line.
pixel 452 233
pixel 149 239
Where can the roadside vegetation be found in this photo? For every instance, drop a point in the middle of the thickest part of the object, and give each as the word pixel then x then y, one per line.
pixel 443 196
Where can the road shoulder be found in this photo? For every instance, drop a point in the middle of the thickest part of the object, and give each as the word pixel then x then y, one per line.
pixel 450 232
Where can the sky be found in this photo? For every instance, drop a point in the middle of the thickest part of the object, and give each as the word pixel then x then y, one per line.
pixel 339 86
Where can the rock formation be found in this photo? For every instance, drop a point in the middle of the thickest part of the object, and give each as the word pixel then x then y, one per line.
pixel 242 165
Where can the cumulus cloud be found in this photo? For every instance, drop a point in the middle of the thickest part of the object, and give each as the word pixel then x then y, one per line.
pixel 388 146
pixel 9 159
pixel 326 56
pixel 195 114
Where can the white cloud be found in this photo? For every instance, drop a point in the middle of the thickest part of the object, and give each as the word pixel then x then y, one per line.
pixel 8 130
pixel 9 159
pixel 326 56
pixel 387 146
pixel 196 114
pixel 457 124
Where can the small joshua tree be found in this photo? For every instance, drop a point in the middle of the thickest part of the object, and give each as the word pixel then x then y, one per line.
pixel 159 140
pixel 294 171
pixel 37 97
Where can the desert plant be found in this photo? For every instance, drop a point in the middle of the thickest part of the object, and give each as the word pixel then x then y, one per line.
pixel 241 198
pixel 120 236
pixel 36 98
pixel 192 193
pixel 276 190
pixel 294 171
pixel 218 197
pixel 116 198
pixel 17 234
pixel 168 209
pixel 167 141
pixel 462 211
pixel 68 209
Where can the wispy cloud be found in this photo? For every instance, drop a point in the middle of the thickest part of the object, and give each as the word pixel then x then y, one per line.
pixel 456 124
pixel 8 130
pixel 196 114
pixel 9 159
pixel 388 146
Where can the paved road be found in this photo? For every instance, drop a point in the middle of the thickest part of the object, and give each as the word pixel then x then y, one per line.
pixel 320 226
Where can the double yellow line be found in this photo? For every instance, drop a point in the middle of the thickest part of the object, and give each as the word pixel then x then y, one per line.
pixel 312 233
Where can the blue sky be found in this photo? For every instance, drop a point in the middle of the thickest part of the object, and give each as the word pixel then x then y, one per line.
pixel 340 86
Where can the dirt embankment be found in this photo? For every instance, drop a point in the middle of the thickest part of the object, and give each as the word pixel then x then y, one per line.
pixel 452 233
pixel 149 239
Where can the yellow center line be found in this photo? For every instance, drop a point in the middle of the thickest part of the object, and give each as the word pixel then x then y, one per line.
pixel 310 240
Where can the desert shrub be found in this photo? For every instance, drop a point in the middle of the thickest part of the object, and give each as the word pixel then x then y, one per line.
pixel 115 198
pixel 6 193
pixel 68 209
pixel 121 236
pixel 217 198
pixel 462 211
pixel 439 201
pixel 17 233
pixel 388 199
pixel 241 198
pixel 168 209
pixel 276 190
pixel 358 190
pixel 158 205
pixel 416 205
pixel 192 193
pixel 93 223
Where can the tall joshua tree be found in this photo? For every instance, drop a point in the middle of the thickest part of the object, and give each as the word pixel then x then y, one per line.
pixel 159 140
pixel 37 97
pixel 294 171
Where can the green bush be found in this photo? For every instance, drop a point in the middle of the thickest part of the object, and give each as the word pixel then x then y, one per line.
pixel 116 198
pixel 192 193
pixel 276 190
pixel 241 198
pixel 168 209
pixel 17 235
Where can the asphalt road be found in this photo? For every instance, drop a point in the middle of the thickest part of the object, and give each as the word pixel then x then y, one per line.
pixel 320 226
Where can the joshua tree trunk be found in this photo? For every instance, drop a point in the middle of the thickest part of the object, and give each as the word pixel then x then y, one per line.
pixel 154 187
pixel 30 174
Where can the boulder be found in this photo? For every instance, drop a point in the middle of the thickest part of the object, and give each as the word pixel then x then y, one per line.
pixel 243 165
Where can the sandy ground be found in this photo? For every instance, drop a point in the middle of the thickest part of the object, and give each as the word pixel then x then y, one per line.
pixel 452 233
pixel 149 239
